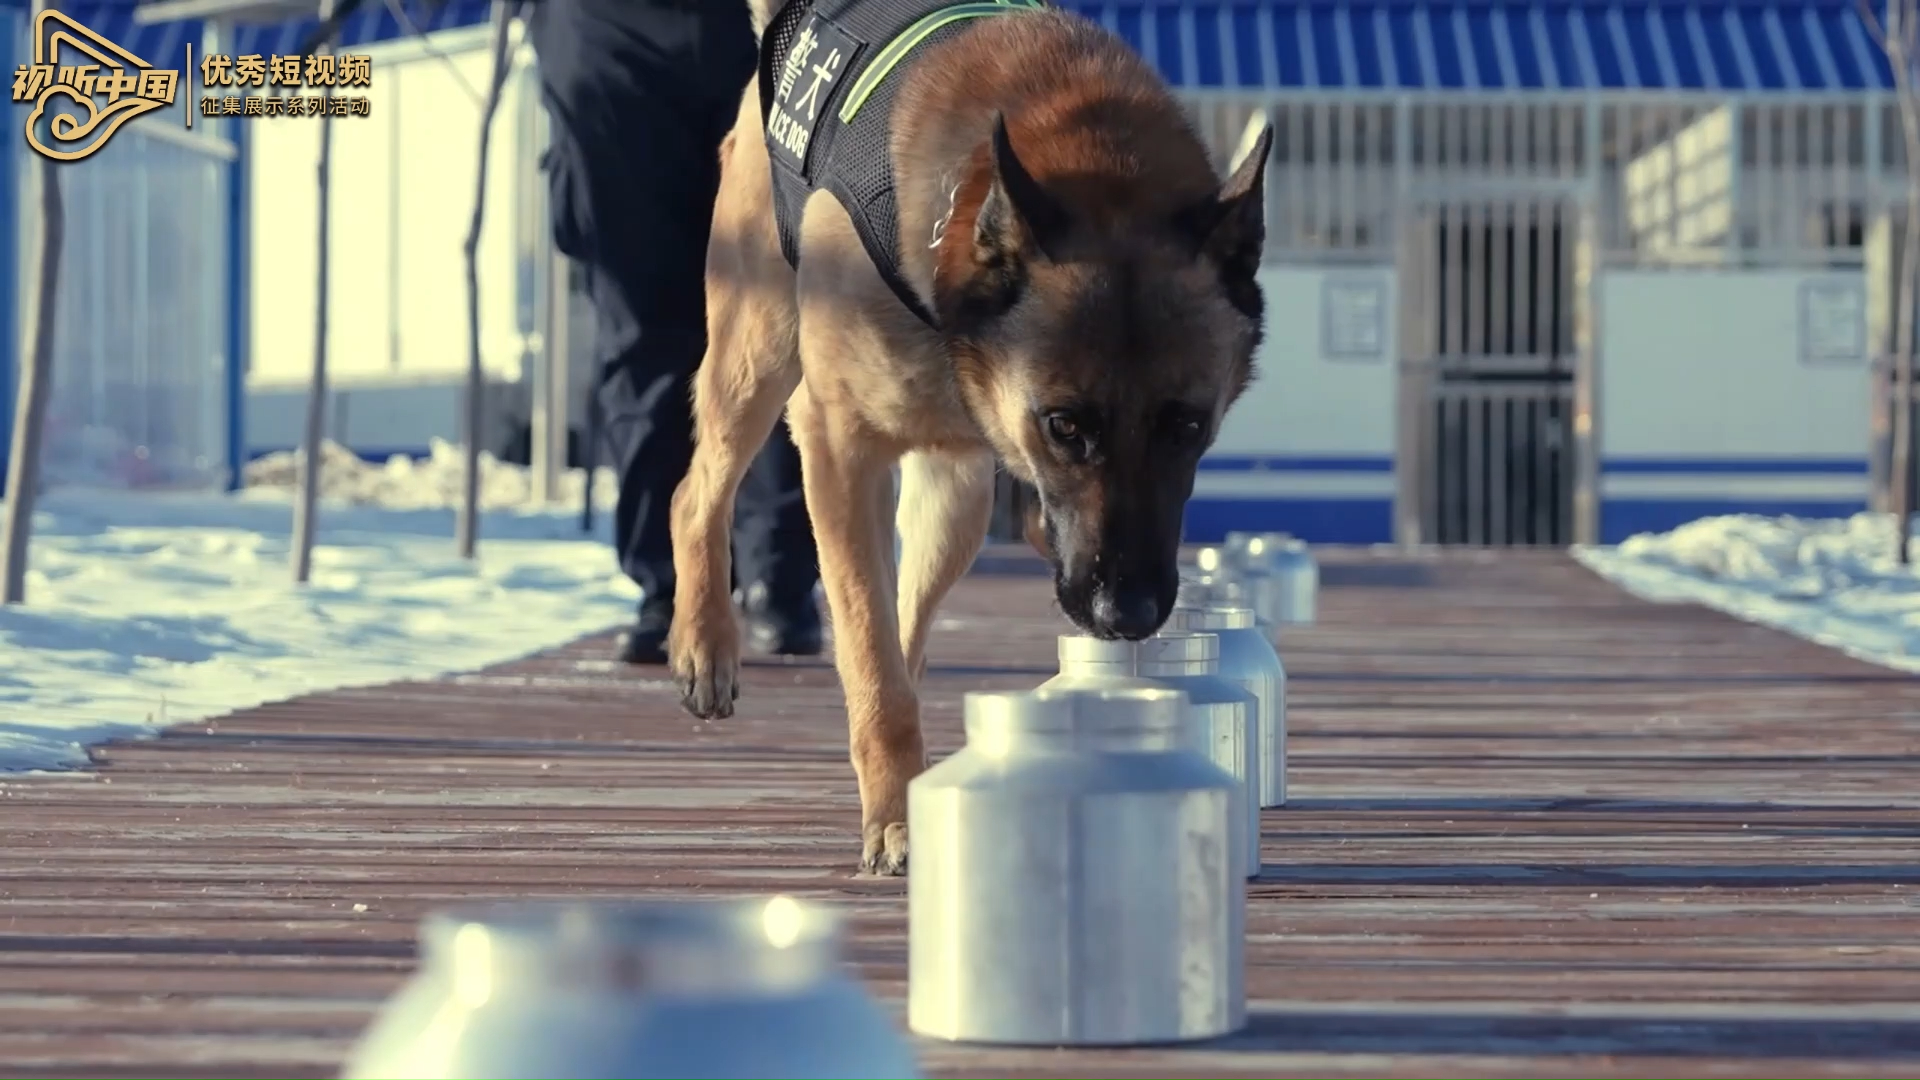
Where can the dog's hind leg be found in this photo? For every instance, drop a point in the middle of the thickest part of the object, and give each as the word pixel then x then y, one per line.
pixel 946 502
pixel 849 486
pixel 751 367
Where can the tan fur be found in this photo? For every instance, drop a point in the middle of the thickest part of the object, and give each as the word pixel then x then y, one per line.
pixel 763 13
pixel 866 386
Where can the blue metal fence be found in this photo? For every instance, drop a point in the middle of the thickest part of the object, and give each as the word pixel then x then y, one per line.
pixel 144 358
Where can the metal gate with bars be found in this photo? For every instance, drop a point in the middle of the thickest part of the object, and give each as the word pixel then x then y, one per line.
pixel 1488 392
pixel 1498 209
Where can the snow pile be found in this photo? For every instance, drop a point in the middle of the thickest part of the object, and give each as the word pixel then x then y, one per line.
pixel 405 484
pixel 144 610
pixel 1834 581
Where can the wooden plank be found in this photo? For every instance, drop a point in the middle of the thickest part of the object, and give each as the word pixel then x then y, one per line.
pixel 1537 828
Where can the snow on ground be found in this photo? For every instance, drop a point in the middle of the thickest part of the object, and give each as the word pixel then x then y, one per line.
pixel 1829 580
pixel 404 484
pixel 146 609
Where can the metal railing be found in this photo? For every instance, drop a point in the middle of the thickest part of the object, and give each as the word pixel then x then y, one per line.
pixel 1489 183
pixel 1498 212
pixel 1685 178
pixel 1499 470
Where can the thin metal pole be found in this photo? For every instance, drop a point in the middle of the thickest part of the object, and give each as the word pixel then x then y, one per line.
pixel 557 374
pixel 1900 469
pixel 1588 443
pixel 539 375
pixel 1412 235
pixel 533 242
pixel 239 283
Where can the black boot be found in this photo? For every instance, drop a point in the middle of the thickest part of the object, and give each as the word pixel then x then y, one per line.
pixel 646 643
pixel 790 627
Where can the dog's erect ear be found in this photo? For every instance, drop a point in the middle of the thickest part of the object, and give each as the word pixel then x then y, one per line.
pixel 1231 227
pixel 1018 216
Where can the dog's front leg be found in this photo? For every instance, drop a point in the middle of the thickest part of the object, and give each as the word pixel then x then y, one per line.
pixel 751 367
pixel 849 489
pixel 946 504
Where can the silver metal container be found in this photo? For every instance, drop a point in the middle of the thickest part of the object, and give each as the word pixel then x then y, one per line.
pixel 1217 560
pixel 716 988
pixel 1247 657
pixel 1077 876
pixel 1296 576
pixel 1245 563
pixel 1200 589
pixel 1223 715
pixel 1236 541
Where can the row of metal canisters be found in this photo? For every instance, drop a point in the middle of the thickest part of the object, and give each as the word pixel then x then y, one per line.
pixel 1273 573
pixel 1078 878
pixel 1079 867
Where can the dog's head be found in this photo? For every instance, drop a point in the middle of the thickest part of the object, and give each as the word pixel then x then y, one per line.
pixel 1099 352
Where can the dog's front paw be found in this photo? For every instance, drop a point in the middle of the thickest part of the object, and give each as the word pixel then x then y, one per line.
pixel 883 848
pixel 886 767
pixel 704 654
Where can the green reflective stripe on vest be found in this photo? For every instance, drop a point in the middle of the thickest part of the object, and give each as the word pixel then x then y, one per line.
pixel 897 49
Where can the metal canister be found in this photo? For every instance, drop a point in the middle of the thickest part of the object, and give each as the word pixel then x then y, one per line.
pixel 1200 589
pixel 1216 560
pixel 1247 657
pixel 1222 714
pixel 1076 876
pixel 712 988
pixel 1246 564
pixel 1295 574
pixel 1242 550
pixel 1298 573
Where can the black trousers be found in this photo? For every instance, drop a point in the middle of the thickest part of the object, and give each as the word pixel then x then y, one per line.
pixel 641 94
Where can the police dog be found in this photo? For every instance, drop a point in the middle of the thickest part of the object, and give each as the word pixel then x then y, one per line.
pixel 1093 282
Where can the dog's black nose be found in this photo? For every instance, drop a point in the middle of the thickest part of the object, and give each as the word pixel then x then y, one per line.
pixel 1127 611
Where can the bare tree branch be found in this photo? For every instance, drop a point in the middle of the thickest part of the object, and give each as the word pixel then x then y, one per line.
pixel 1872 22
pixel 36 382
pixel 1897 37
pixel 399 13
pixel 306 499
pixel 467 527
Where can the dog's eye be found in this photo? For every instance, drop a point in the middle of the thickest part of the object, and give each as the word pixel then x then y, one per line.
pixel 1062 428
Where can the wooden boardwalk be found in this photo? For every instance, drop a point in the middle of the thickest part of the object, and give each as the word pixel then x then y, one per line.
pixel 1538 828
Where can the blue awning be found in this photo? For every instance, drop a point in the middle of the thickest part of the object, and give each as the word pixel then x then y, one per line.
pixel 1729 45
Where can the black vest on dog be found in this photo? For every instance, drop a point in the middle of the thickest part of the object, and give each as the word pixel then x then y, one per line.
pixel 826 98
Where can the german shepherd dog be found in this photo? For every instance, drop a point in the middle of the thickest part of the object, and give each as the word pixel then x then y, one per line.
pixel 1093 279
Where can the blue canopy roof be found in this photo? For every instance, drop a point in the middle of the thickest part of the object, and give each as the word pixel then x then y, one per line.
pixel 1733 45
pixel 1504 45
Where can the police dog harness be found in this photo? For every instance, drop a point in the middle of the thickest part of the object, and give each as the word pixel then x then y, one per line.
pixel 826 97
